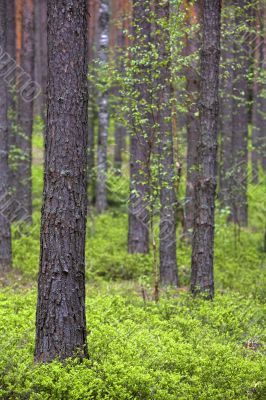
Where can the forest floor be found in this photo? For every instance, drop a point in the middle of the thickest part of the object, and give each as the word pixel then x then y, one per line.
pixel 176 348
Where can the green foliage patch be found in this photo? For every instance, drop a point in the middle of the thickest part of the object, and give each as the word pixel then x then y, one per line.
pixel 179 348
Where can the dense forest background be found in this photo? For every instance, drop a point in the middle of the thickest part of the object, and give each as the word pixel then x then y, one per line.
pixel 132 199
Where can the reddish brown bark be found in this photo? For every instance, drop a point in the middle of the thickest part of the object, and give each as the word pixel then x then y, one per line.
pixel 60 320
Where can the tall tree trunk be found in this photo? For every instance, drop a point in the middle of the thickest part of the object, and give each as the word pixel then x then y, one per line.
pixel 140 150
pixel 11 105
pixel 192 86
pixel 167 176
pixel 238 187
pixel 120 130
pixel 25 116
pixel 5 234
pixel 257 126
pixel 263 91
pixel 93 12
pixel 103 99
pixel 226 106
pixel 203 236
pixel 40 64
pixel 60 320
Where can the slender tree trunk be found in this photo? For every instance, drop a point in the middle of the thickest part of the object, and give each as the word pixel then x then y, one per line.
pixel 11 50
pixel 40 64
pixel 103 99
pixel 140 149
pixel 120 130
pixel 256 106
pixel 11 104
pixel 192 77
pixel 226 107
pixel 167 176
pixel 25 116
pixel 263 91
pixel 5 234
pixel 238 189
pixel 60 320
pixel 203 236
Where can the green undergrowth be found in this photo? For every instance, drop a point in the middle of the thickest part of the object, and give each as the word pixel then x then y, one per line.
pixel 179 348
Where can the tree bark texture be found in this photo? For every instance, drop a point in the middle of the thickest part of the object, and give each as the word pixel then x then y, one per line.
pixel 103 115
pixel 140 140
pixel 60 319
pixel 167 176
pixel 23 174
pixel 5 234
pixel 203 235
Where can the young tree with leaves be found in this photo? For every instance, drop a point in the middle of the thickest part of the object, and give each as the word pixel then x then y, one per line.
pixel 167 170
pixel 140 140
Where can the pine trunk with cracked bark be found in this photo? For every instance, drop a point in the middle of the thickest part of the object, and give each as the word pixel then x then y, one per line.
pixel 60 319
pixel 203 236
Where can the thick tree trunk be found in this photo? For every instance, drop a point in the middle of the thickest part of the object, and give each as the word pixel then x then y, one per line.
pixel 238 184
pixel 192 77
pixel 5 234
pixel 203 236
pixel 167 176
pixel 140 149
pixel 60 320
pixel 25 116
pixel 103 99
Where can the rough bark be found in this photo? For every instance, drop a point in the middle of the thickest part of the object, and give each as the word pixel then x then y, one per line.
pixel 192 87
pixel 238 184
pixel 203 236
pixel 140 149
pixel 5 234
pixel 103 99
pixel 167 176
pixel 25 116
pixel 60 320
